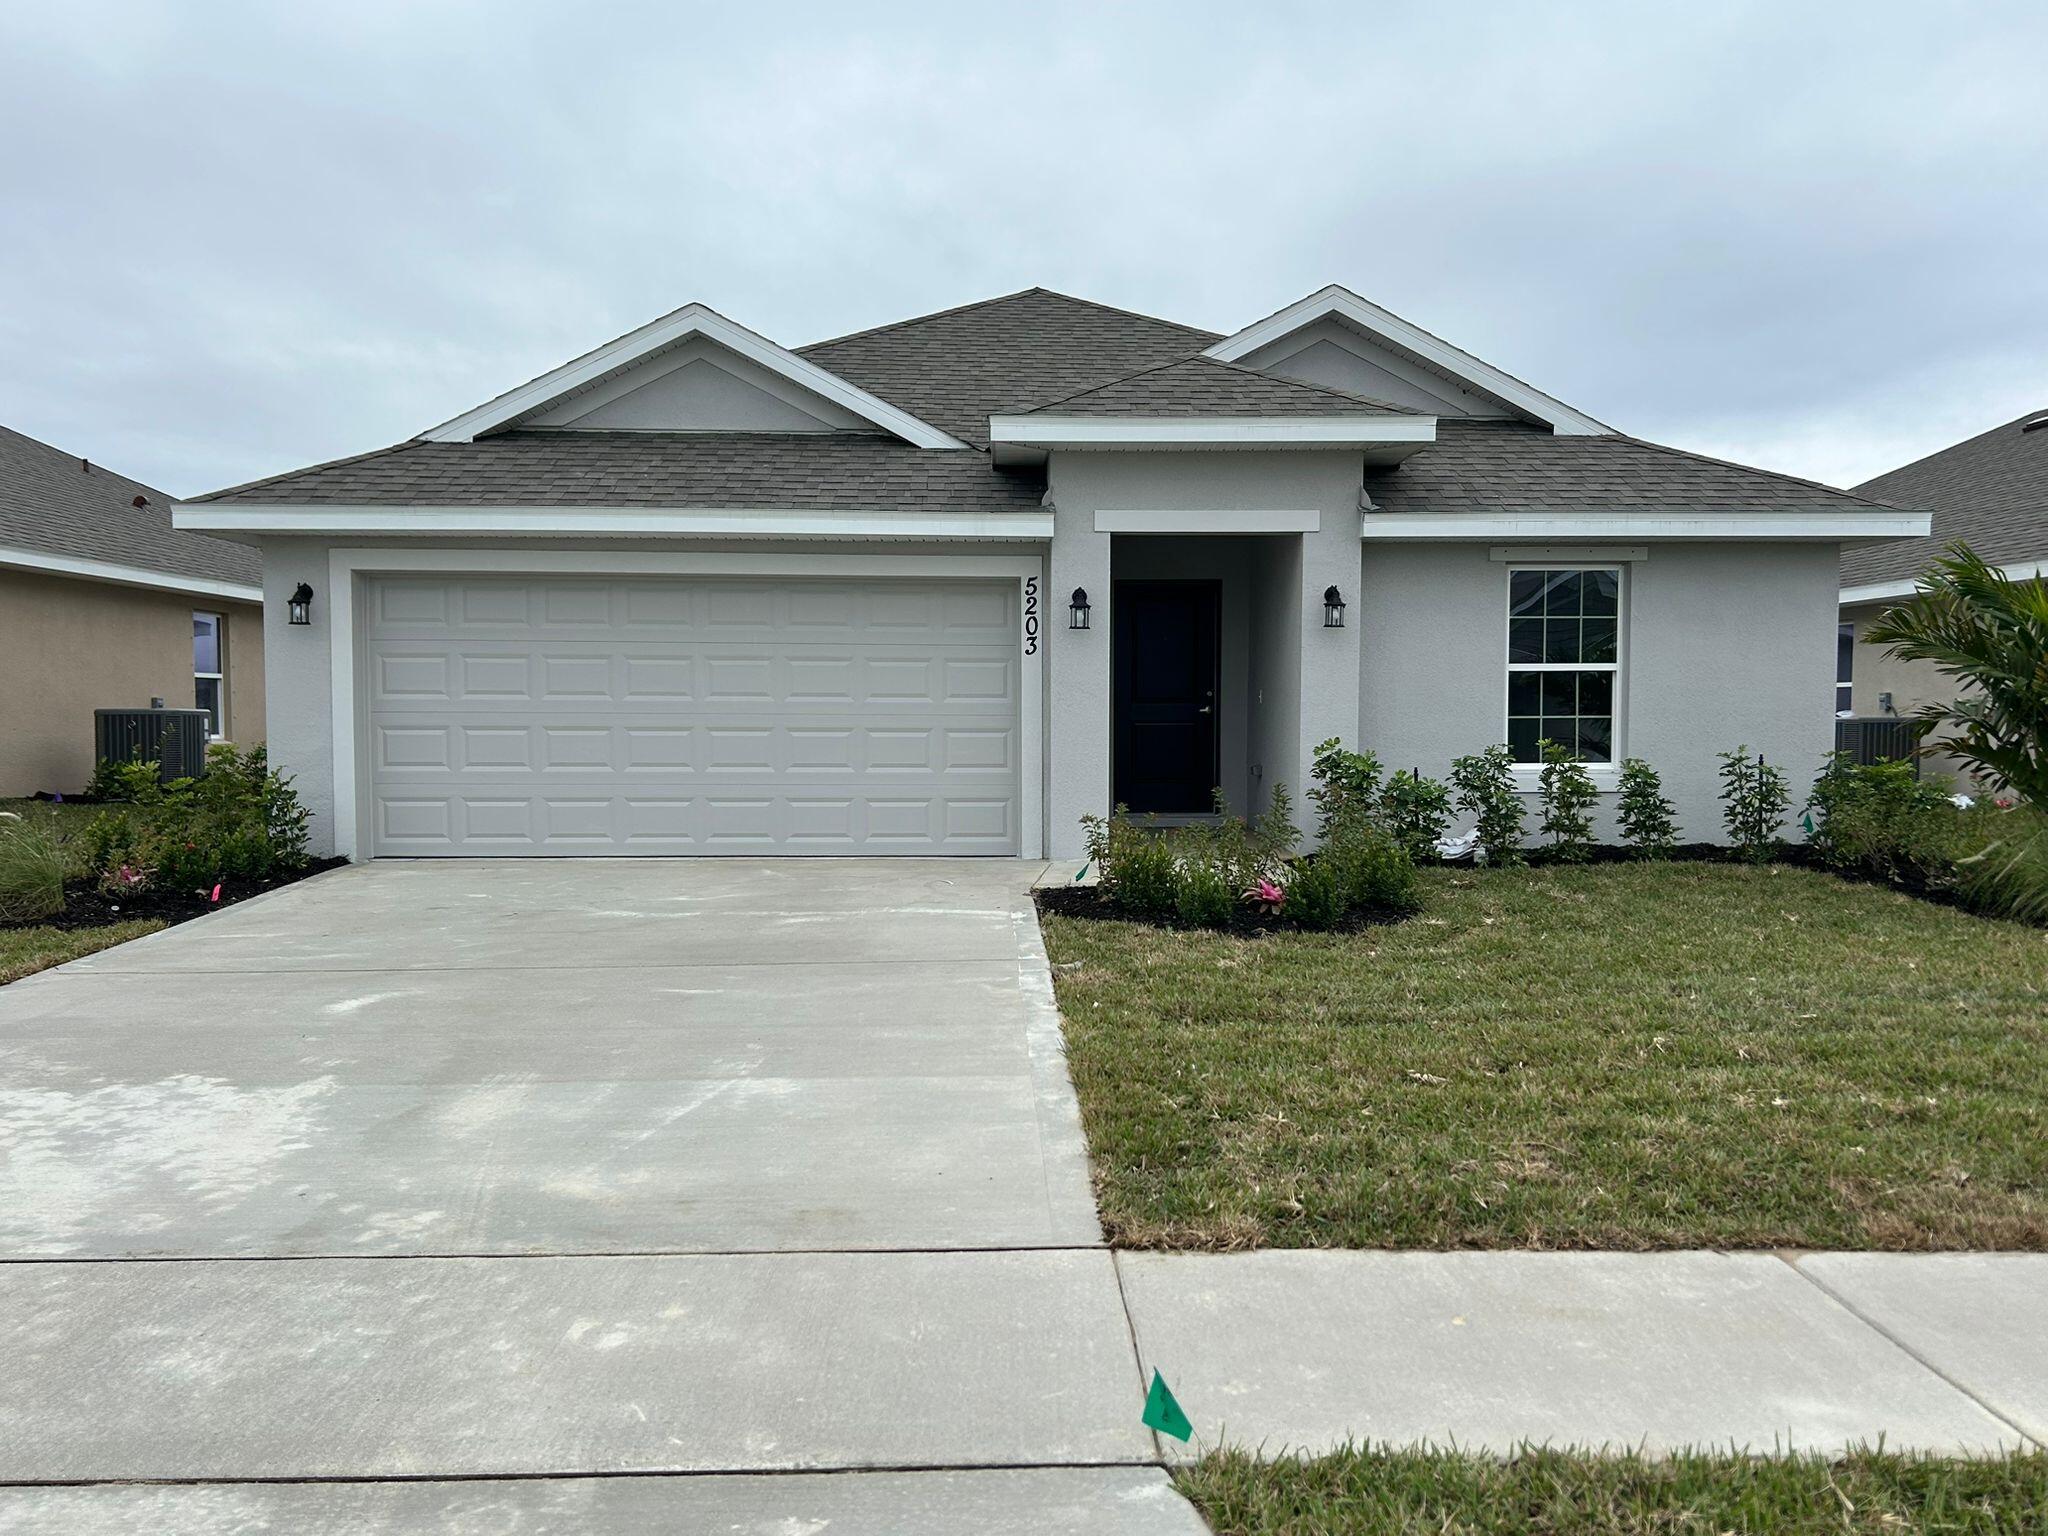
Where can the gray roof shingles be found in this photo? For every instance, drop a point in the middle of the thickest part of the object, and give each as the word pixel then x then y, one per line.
pixel 1202 386
pixel 1031 350
pixel 807 471
pixel 1496 467
pixel 53 503
pixel 1991 491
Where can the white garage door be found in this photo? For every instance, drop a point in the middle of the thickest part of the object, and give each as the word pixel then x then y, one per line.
pixel 669 715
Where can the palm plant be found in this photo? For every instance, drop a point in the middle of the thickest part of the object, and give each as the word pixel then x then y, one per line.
pixel 1982 628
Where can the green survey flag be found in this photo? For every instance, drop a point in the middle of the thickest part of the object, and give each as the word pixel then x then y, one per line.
pixel 1163 1413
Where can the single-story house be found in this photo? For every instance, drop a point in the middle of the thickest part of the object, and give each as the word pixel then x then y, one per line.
pixel 948 585
pixel 105 605
pixel 1991 492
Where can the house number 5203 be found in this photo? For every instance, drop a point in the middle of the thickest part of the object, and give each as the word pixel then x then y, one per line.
pixel 1030 615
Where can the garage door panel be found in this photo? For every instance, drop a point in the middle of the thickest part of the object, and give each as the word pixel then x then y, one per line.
pixel 680 715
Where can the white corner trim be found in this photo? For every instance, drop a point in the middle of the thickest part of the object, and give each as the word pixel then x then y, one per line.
pixel 1566 554
pixel 616 522
pixel 346 568
pixel 690 320
pixel 1811 526
pixel 1040 430
pixel 1208 522
pixel 127 575
pixel 1880 591
pixel 1411 338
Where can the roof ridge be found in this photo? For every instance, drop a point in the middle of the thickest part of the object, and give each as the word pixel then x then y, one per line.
pixel 1129 314
pixel 2036 414
pixel 897 325
pixel 1750 469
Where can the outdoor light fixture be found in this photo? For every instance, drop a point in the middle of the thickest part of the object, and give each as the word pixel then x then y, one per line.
pixel 1077 609
pixel 301 604
pixel 1333 608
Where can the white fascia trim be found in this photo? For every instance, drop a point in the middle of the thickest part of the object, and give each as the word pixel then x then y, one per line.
pixel 611 522
pixel 1825 526
pixel 1043 431
pixel 128 575
pixel 1879 591
pixel 1434 350
pixel 690 320
pixel 347 570
pixel 1567 554
pixel 1208 522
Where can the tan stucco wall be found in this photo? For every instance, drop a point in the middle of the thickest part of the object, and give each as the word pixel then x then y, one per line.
pixel 1874 672
pixel 69 647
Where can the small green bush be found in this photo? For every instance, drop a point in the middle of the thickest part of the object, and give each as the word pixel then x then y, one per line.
pixel 1568 798
pixel 126 783
pixel 1204 898
pixel 241 822
pixel 1417 812
pixel 1372 872
pixel 1754 803
pixel 1315 895
pixel 1880 820
pixel 1346 784
pixel 33 865
pixel 1646 817
pixel 1485 783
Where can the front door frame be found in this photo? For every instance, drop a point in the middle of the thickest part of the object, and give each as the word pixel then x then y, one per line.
pixel 1119 724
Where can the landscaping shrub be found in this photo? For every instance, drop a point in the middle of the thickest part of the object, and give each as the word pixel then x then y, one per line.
pixel 126 783
pixel 1132 862
pixel 2008 876
pixel 1315 896
pixel 1754 803
pixel 241 822
pixel 1416 812
pixel 33 865
pixel 1879 819
pixel 1485 783
pixel 1346 784
pixel 1646 817
pixel 1568 798
pixel 1369 871
pixel 1203 898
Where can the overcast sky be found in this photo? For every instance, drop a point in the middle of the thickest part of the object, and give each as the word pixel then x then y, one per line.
pixel 241 239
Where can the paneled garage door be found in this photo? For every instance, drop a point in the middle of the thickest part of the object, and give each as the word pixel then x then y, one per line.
pixel 668 715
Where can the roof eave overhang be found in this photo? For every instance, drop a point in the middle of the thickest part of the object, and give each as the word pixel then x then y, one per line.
pixel 119 575
pixel 1906 586
pixel 1846 527
pixel 1404 336
pixel 671 330
pixel 1382 439
pixel 526 522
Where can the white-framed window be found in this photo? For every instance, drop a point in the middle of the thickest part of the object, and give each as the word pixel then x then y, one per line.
pixel 1564 661
pixel 1845 669
pixel 210 669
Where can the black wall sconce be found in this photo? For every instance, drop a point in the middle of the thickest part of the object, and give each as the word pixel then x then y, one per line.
pixel 300 604
pixel 1333 608
pixel 1077 609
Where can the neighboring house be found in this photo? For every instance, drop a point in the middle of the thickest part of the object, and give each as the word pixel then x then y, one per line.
pixel 1991 492
pixel 104 605
pixel 948 585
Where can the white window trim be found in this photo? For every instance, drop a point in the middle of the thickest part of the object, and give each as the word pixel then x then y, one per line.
pixel 1604 775
pixel 220 678
pixel 347 567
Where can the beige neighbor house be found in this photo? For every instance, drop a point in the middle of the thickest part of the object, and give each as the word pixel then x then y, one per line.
pixel 1991 492
pixel 103 604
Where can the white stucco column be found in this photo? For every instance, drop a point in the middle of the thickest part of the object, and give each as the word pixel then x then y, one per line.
pixel 1077 682
pixel 1330 557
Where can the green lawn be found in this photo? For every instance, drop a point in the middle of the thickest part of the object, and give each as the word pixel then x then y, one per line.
pixel 1624 1056
pixel 1554 1493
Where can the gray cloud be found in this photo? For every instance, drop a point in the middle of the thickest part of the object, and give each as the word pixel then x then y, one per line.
pixel 239 239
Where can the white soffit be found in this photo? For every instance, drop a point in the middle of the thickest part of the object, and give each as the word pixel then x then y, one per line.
pixel 127 575
pixel 1543 528
pixel 1410 339
pixel 607 522
pixel 594 368
pixel 1383 439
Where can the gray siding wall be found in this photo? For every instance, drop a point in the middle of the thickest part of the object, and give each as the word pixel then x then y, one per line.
pixel 1725 645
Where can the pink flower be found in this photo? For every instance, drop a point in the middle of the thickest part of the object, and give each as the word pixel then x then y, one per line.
pixel 1266 896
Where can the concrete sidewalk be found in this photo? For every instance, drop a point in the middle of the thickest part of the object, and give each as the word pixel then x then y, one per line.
pixel 1303 1351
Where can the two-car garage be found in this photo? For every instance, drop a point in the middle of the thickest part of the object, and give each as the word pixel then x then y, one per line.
pixel 520 715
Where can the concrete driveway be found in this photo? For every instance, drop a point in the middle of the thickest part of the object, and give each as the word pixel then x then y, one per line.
pixel 553 1057
pixel 547 1173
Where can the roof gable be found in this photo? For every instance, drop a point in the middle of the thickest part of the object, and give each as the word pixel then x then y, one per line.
pixel 1991 491
pixel 613 373
pixel 1307 339
pixel 1202 386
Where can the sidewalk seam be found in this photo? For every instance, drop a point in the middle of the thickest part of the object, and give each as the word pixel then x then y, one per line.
pixel 1137 1357
pixel 1791 1262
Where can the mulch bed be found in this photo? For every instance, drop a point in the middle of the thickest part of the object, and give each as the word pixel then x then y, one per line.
pixel 87 906
pixel 1091 901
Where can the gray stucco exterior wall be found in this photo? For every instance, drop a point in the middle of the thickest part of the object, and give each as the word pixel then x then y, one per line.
pixel 1724 645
